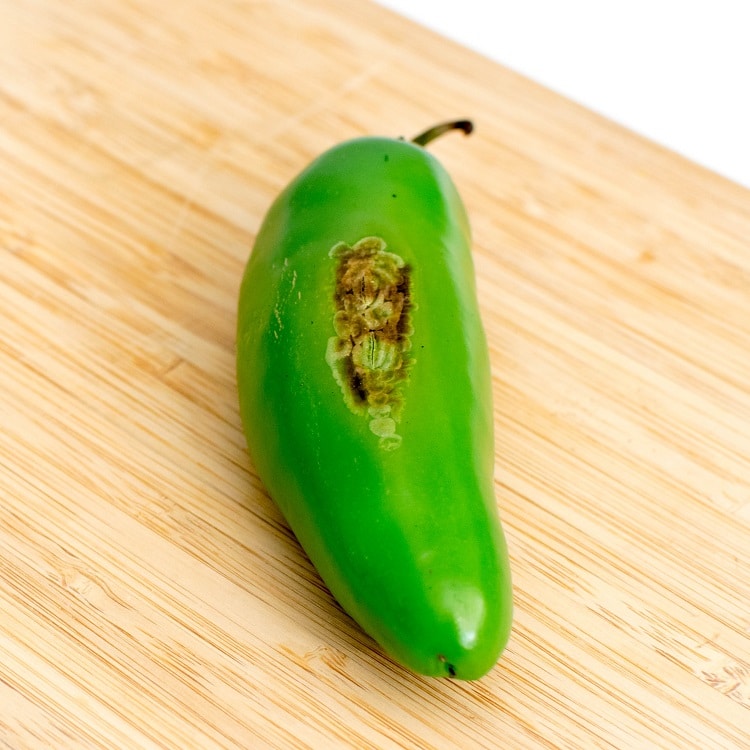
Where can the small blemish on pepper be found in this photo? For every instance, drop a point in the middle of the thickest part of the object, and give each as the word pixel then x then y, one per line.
pixel 449 667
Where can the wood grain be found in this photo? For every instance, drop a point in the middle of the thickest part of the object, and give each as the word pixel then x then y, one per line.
pixel 151 595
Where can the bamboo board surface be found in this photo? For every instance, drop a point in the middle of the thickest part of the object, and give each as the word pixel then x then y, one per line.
pixel 151 595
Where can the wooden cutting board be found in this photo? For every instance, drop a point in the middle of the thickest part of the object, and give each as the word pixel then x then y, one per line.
pixel 151 595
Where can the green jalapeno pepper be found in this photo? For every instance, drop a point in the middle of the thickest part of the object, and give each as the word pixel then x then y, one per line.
pixel 365 394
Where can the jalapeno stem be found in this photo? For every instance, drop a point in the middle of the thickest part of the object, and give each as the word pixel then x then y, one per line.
pixel 435 132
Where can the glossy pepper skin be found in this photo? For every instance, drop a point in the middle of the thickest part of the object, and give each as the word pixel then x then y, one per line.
pixel 365 395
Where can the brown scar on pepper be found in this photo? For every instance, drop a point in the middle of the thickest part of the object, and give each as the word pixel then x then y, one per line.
pixel 368 354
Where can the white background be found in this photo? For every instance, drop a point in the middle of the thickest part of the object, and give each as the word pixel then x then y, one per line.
pixel 675 72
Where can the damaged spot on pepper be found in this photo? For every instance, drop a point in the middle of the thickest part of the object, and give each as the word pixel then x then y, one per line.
pixel 368 354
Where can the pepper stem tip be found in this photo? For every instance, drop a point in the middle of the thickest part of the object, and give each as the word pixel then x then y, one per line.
pixel 467 126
